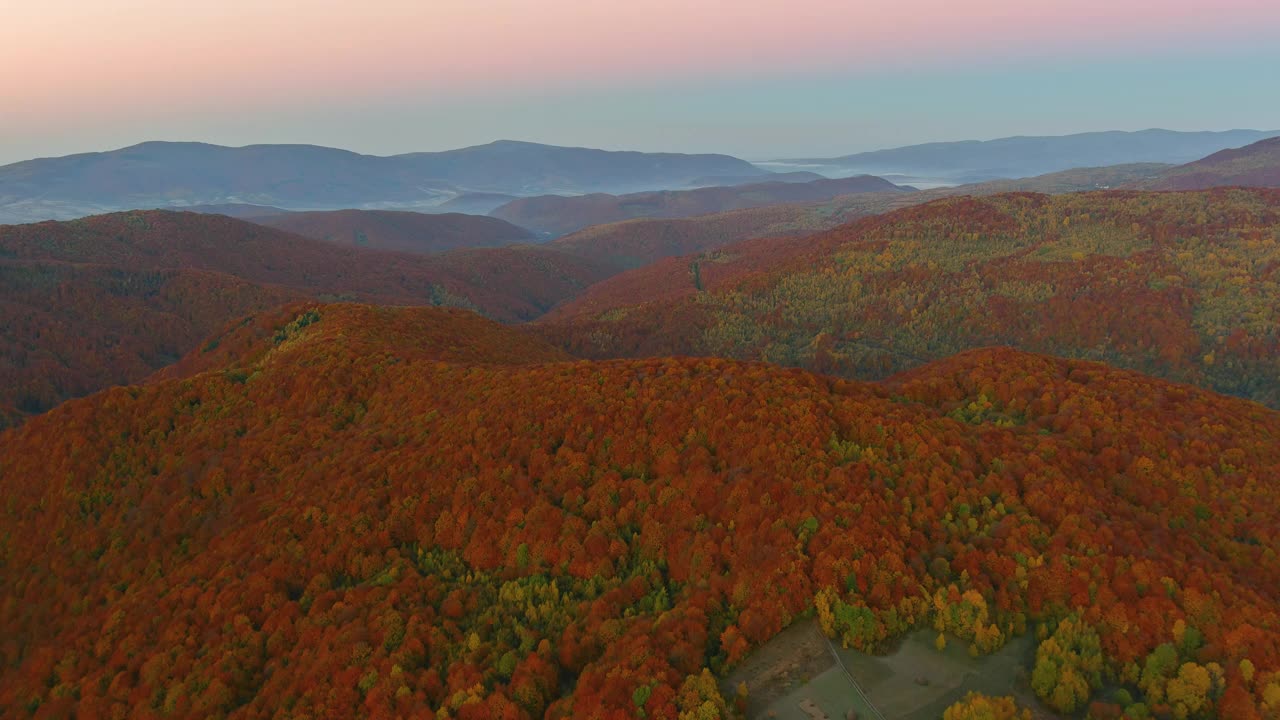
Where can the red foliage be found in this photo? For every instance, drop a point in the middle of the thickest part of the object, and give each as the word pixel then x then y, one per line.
pixel 109 299
pixel 385 512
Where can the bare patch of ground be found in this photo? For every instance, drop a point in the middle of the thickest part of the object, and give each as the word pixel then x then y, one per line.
pixel 792 658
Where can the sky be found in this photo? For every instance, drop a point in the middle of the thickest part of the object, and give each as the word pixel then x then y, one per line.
pixel 760 79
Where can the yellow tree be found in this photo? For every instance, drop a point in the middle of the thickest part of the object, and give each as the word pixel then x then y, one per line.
pixel 976 706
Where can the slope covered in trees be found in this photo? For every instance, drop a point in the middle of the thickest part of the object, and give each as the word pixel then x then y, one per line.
pixel 393 512
pixel 557 215
pixel 106 300
pixel 401 231
pixel 634 243
pixel 1256 165
pixel 71 329
pixel 1184 286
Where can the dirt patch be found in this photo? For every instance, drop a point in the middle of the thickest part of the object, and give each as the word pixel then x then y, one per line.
pixel 792 658
pixel 917 682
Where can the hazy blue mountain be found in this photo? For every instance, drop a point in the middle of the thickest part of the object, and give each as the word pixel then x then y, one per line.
pixel 1016 157
pixel 303 177
pixel 522 168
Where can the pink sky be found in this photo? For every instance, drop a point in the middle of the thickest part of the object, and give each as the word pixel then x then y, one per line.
pixel 69 56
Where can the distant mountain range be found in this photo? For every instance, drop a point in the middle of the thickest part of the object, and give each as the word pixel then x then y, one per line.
pixel 307 177
pixel 1015 157
pixel 484 178
pixel 555 215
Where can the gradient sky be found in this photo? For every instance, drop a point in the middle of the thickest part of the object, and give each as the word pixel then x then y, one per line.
pixel 756 78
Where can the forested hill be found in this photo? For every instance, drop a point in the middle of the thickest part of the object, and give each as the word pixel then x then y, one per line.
pixel 414 512
pixel 1184 286
pixel 109 299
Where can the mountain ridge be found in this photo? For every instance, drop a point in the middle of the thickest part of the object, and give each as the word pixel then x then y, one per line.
pixel 312 177
pixel 1028 155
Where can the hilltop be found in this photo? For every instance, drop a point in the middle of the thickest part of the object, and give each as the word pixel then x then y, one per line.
pixel 401 231
pixel 1182 286
pixel 413 511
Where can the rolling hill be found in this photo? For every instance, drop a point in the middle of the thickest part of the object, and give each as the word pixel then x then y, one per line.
pixel 109 299
pixel 70 329
pixel 1024 156
pixel 384 512
pixel 401 231
pixel 1184 286
pixel 634 243
pixel 1256 165
pixel 306 177
pixel 555 215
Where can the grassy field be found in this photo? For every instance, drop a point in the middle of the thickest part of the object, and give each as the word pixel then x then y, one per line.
pixel 829 693
pixel 891 681
pixel 794 678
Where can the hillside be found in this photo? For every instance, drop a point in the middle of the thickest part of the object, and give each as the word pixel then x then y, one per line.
pixel 554 215
pixel 70 329
pixel 1015 157
pixel 1256 165
pixel 1184 286
pixel 307 177
pixel 634 243
pixel 390 512
pixel 497 281
pixel 400 231
pixel 109 299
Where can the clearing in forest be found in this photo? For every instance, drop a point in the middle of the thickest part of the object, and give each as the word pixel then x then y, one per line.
pixel 793 677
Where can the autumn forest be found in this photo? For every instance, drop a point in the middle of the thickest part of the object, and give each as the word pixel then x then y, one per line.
pixel 353 464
